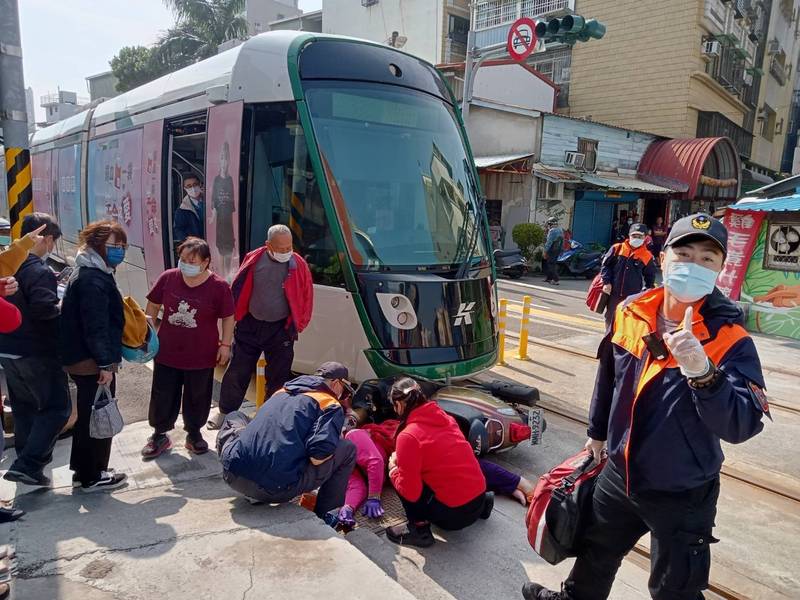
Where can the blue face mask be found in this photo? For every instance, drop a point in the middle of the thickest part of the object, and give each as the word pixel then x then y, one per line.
pixel 688 281
pixel 189 270
pixel 114 255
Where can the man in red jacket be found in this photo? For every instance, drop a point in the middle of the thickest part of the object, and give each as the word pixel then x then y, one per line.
pixel 274 296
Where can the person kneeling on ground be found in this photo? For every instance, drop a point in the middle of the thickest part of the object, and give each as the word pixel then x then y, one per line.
pixel 433 470
pixel 293 445
pixel 374 442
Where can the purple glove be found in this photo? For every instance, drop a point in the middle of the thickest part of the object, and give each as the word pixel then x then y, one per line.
pixel 346 516
pixel 373 508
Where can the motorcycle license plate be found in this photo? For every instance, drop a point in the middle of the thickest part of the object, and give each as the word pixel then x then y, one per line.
pixel 535 423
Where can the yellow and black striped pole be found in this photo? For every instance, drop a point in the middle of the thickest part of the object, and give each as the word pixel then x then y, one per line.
pixel 20 190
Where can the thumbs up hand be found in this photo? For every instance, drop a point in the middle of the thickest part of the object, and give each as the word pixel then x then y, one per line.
pixel 687 349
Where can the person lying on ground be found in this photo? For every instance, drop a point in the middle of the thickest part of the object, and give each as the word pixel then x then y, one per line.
pixel 293 445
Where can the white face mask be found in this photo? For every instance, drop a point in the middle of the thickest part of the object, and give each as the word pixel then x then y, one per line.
pixel 636 242
pixel 193 192
pixel 280 257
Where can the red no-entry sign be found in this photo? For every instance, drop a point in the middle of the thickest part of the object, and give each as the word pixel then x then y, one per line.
pixel 521 38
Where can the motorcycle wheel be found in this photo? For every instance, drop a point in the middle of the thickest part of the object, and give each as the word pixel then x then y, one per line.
pixel 515 274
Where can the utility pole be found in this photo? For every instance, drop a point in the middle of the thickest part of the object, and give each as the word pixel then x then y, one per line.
pixel 14 118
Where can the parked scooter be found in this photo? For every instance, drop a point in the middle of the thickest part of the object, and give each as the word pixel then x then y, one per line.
pixel 579 261
pixel 510 263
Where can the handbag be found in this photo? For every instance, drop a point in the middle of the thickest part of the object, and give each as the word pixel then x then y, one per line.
pixel 106 420
pixel 596 298
pixel 561 507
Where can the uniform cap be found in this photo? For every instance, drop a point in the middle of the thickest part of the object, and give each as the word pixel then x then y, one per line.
pixel 332 370
pixel 699 226
pixel 638 228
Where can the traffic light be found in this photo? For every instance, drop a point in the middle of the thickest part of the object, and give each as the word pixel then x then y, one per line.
pixel 570 29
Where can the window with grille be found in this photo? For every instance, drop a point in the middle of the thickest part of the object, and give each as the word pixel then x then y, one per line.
pixel 534 8
pixel 589 149
pixel 547 190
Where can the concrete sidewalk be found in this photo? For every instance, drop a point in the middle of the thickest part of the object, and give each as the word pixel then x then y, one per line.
pixel 178 530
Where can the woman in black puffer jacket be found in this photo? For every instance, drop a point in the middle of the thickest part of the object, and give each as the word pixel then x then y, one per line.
pixel 91 344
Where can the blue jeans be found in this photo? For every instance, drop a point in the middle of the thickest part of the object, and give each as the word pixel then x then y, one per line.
pixel 40 401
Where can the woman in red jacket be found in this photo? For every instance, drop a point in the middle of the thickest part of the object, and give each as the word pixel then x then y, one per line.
pixel 433 470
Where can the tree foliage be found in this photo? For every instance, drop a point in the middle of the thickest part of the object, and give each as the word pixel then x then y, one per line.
pixel 200 27
pixel 136 65
pixel 528 236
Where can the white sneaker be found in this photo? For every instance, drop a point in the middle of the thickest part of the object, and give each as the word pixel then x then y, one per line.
pixel 215 419
pixel 107 481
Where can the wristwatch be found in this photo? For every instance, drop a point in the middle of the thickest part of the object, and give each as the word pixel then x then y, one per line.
pixel 707 380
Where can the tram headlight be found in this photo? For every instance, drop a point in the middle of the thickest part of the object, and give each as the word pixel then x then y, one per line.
pixel 398 310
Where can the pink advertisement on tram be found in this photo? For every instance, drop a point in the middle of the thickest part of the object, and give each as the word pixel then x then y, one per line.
pixel 42 182
pixel 222 187
pixel 115 184
pixel 152 231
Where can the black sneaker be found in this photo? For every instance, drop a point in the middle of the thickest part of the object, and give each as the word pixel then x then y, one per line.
pixel 488 505
pixel 40 480
pixel 156 445
pixel 196 444
pixel 534 591
pixel 107 481
pixel 10 514
pixel 76 481
pixel 411 535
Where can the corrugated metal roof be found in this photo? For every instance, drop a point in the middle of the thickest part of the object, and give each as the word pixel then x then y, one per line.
pixel 678 164
pixel 786 203
pixel 556 174
pixel 624 184
pixel 484 162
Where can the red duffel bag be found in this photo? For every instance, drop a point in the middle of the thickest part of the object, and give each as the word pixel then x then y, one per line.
pixel 561 506
pixel 596 299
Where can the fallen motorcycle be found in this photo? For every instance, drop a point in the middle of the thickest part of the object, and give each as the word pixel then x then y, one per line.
pixel 494 416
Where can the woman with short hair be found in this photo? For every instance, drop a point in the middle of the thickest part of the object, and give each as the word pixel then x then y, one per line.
pixel 195 301
pixel 91 344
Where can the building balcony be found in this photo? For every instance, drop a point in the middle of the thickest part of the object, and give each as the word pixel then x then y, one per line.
pixel 492 19
pixel 714 124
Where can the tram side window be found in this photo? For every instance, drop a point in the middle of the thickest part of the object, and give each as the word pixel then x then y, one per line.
pixel 285 190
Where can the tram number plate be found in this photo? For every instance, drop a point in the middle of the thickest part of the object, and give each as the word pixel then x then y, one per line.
pixel 535 423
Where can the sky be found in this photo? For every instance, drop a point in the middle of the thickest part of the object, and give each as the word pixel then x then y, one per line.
pixel 65 41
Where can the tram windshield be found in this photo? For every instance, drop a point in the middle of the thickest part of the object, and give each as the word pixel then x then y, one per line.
pixel 398 174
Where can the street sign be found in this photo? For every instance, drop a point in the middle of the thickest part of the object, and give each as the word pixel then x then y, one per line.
pixel 521 38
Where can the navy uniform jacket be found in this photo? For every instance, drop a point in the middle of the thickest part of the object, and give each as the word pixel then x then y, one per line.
pixel 627 268
pixel 662 434
pixel 300 422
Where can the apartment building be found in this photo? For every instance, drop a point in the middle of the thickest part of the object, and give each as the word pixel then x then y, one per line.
pixel 434 30
pixel 676 68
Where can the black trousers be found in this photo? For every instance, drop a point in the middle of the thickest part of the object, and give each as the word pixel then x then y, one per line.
pixel 250 338
pixel 679 523
pixel 89 455
pixel 451 518
pixel 173 387
pixel 330 477
pixel 41 405
pixel 551 268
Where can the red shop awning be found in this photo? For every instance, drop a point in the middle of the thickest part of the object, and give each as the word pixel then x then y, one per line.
pixel 695 168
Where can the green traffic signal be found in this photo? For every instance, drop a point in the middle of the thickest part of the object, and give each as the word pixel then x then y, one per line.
pixel 570 29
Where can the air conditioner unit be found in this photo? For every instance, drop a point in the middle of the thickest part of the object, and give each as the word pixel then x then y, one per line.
pixel 711 48
pixel 576 159
pixel 774 46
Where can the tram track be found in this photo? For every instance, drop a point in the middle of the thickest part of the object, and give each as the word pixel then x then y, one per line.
pixel 778 404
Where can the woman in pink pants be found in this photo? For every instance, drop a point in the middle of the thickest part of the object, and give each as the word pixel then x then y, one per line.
pixel 366 480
